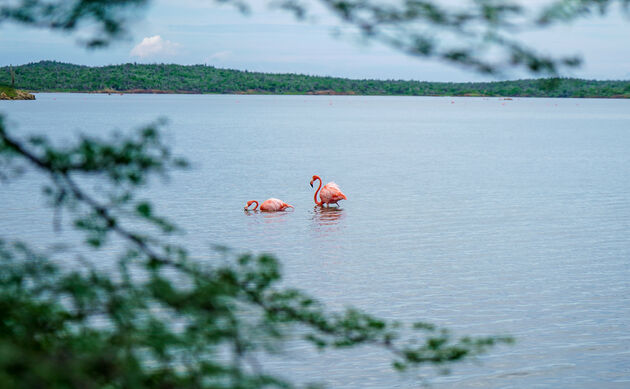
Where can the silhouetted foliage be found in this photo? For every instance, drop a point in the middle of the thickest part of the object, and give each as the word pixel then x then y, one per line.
pixel 159 319
pixel 105 19
pixel 481 35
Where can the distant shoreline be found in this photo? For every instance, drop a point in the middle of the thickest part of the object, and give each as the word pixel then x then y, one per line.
pixel 167 92
pixel 50 76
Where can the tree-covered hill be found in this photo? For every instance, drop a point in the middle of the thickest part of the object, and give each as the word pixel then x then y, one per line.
pixel 50 76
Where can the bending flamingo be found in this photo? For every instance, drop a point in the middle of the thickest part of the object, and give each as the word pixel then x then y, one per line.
pixel 330 193
pixel 271 205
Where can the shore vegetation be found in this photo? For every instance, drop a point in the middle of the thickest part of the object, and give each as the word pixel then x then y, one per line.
pixel 10 93
pixel 50 76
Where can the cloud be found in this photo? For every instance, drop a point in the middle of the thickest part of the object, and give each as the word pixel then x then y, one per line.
pixel 154 46
pixel 220 55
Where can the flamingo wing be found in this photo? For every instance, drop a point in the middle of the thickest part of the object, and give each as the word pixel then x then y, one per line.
pixel 331 193
pixel 273 204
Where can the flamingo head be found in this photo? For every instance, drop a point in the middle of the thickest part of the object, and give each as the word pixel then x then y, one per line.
pixel 315 178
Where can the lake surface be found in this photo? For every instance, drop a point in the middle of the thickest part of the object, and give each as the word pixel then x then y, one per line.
pixel 483 215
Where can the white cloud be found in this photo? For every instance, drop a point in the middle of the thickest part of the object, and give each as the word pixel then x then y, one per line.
pixel 220 55
pixel 154 46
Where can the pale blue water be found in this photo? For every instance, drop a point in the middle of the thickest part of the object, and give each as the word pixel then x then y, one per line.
pixel 483 215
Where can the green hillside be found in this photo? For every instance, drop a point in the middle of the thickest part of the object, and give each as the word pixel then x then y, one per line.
pixel 49 76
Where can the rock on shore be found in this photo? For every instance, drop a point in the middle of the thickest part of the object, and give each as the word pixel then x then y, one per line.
pixel 18 95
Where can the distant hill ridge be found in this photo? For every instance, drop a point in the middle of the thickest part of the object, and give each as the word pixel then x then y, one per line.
pixel 51 76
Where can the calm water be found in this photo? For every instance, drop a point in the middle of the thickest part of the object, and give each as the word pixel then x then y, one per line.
pixel 483 215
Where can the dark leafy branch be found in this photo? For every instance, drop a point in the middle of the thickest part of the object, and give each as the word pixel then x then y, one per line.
pixel 162 320
pixel 481 35
pixel 568 10
pixel 126 162
pixel 107 19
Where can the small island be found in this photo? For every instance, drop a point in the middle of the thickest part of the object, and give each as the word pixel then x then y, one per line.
pixel 10 93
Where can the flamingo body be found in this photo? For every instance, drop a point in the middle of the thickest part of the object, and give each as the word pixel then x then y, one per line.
pixel 273 205
pixel 270 205
pixel 329 194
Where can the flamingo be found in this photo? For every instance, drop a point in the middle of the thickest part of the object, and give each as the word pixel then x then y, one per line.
pixel 270 205
pixel 330 193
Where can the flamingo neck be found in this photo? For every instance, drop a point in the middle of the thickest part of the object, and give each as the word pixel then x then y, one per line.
pixel 317 191
pixel 252 202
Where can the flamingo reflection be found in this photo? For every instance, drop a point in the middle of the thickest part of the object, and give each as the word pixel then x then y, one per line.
pixel 267 217
pixel 327 216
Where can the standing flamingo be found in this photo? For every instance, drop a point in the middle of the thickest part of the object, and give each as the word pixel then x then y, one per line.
pixel 271 205
pixel 330 193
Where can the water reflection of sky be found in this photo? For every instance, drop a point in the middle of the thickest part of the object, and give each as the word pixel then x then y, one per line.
pixel 327 226
pixel 475 215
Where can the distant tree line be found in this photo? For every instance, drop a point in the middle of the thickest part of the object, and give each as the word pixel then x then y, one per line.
pixel 51 76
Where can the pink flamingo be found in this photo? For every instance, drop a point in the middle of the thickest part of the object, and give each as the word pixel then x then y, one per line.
pixel 271 205
pixel 330 193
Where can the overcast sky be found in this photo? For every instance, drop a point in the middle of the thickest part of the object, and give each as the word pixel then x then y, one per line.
pixel 193 32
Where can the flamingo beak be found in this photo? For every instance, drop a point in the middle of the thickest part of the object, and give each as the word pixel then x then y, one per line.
pixel 311 184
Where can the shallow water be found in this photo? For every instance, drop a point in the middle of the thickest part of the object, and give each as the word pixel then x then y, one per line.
pixel 484 215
